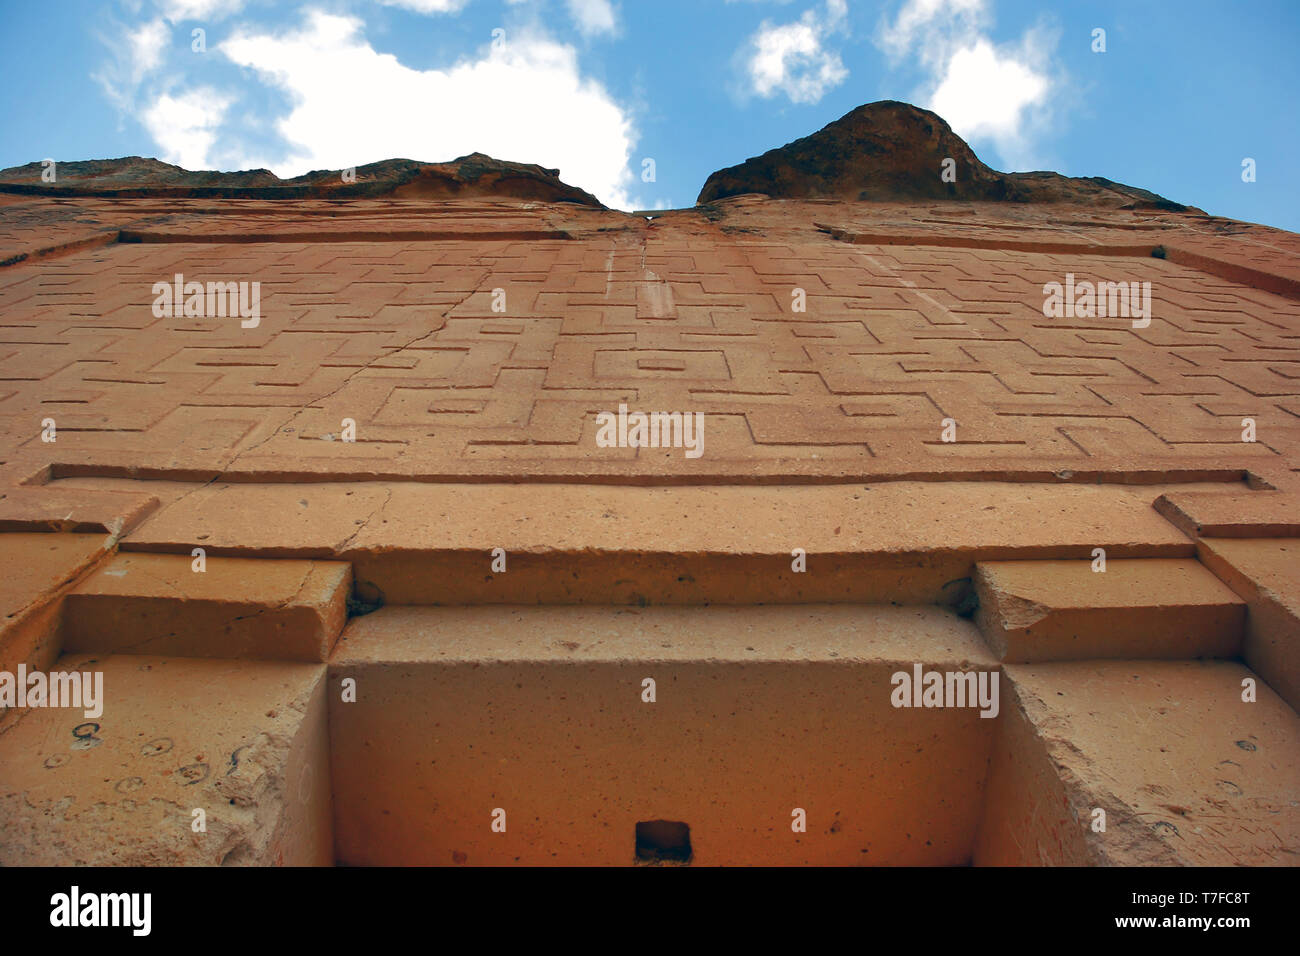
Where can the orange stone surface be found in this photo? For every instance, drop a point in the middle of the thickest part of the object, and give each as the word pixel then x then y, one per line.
pixel 121 788
pixel 758 711
pixel 234 607
pixel 1186 771
pixel 433 590
pixel 1032 611
pixel 1264 573
pixel 689 311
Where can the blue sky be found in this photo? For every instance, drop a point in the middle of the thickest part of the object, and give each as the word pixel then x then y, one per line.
pixel 1184 92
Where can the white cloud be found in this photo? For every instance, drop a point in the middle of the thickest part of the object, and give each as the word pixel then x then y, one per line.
pixel 427 6
pixel 937 24
pixel 592 16
pixel 134 54
pixel 526 101
pixel 185 126
pixel 985 93
pixel 999 94
pixel 177 10
pixel 791 59
pixel 146 46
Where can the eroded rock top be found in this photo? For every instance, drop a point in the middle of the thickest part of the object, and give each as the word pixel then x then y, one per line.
pixel 879 152
pixel 889 151
pixel 474 176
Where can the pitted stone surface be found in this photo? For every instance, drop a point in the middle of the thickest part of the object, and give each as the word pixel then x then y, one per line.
pixel 1188 773
pixel 243 741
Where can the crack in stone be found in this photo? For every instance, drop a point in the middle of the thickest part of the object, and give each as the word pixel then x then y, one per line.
pixel 340 548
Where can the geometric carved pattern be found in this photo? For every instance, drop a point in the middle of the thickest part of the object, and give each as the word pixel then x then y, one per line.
pixel 680 314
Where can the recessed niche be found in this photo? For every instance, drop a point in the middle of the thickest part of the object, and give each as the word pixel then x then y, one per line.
pixel 663 841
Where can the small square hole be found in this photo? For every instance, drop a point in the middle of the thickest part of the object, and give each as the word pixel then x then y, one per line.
pixel 663 841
